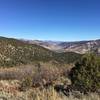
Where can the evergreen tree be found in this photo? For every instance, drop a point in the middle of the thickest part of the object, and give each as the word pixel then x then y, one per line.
pixel 85 76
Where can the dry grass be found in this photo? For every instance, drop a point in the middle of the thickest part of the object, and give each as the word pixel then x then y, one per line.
pixel 46 74
pixel 16 72
pixel 9 89
pixel 37 94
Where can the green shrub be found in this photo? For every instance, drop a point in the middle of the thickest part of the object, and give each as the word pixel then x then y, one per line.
pixel 85 76
pixel 26 83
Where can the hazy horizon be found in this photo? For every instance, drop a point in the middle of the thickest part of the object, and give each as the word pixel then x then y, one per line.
pixel 49 40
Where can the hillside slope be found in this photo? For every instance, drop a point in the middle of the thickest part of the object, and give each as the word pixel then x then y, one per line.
pixel 82 46
pixel 78 47
pixel 16 52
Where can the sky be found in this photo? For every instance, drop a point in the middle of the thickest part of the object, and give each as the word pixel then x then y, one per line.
pixel 59 20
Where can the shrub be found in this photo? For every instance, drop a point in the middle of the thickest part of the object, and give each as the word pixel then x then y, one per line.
pixel 26 83
pixel 85 76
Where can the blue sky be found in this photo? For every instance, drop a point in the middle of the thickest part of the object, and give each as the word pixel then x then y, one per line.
pixel 61 20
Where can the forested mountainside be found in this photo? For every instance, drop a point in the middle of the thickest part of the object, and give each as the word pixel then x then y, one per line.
pixel 16 52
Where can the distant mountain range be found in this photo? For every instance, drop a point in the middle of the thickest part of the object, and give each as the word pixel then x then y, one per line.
pixel 77 46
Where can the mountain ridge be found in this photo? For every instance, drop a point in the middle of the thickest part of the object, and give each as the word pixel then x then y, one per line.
pixel 77 46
